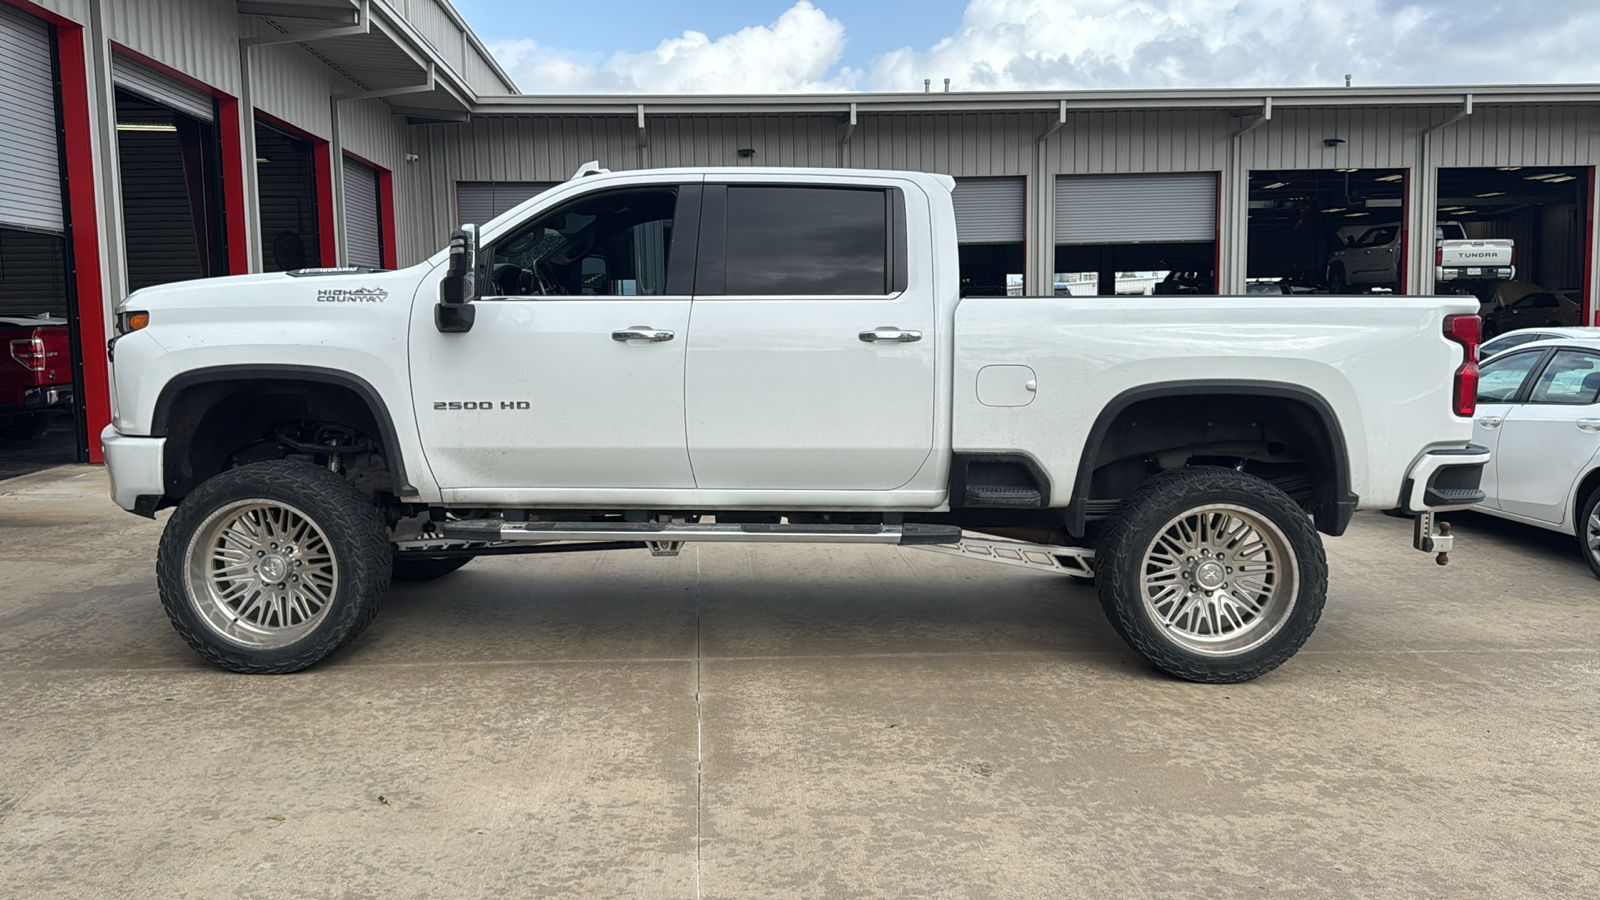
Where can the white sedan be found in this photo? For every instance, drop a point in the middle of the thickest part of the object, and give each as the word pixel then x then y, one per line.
pixel 1539 411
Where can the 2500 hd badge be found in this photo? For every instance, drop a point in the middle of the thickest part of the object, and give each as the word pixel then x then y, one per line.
pixel 481 404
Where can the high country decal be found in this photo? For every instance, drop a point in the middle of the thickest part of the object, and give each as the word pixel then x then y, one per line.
pixel 348 295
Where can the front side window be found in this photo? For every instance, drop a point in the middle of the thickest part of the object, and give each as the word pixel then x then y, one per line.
pixel 804 241
pixel 1501 378
pixel 613 244
pixel 1572 378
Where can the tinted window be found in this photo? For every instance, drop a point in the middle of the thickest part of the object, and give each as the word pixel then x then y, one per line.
pixel 1572 377
pixel 1500 379
pixel 1537 301
pixel 610 244
pixel 807 240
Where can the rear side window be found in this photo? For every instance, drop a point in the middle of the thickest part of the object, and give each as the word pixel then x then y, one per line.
pixel 802 241
pixel 1572 377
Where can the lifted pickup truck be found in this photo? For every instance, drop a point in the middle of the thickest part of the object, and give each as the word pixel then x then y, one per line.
pixel 35 374
pixel 656 357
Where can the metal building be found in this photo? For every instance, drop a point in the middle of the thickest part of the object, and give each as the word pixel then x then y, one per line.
pixel 147 141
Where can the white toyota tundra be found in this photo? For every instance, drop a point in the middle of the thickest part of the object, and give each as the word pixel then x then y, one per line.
pixel 649 358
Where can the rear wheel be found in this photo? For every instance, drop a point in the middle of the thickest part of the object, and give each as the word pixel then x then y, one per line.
pixel 29 427
pixel 272 567
pixel 1212 575
pixel 1589 531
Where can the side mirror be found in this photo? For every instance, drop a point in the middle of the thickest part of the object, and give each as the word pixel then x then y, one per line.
pixel 459 287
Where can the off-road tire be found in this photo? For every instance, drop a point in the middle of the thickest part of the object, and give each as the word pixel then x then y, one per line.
pixel 416 567
pixel 356 538
pixel 28 427
pixel 1588 537
pixel 1122 563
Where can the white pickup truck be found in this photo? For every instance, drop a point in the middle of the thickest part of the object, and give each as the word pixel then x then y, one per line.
pixel 650 358
pixel 1371 257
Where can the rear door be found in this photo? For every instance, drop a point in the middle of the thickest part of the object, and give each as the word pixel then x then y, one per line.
pixel 1547 441
pixel 1501 385
pixel 811 362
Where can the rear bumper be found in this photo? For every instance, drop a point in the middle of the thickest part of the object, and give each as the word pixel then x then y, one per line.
pixel 1474 273
pixel 1443 480
pixel 35 399
pixel 135 466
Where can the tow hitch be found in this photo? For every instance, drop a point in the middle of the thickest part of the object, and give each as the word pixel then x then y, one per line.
pixel 1426 539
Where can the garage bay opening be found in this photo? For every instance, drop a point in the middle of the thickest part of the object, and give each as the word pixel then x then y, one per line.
pixel 1326 231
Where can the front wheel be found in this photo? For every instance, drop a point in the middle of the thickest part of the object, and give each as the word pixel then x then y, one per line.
pixel 1212 575
pixel 272 567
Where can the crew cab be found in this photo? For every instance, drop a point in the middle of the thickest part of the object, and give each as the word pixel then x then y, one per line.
pixel 1371 257
pixel 643 359
pixel 35 374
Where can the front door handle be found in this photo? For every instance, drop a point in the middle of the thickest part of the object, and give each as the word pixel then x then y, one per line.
pixel 890 333
pixel 1490 421
pixel 642 333
pixel 1588 424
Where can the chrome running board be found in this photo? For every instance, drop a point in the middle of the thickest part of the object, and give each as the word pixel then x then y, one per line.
pixel 495 530
pixel 1077 561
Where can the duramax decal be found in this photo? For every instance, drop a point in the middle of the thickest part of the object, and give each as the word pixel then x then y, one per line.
pixel 356 295
pixel 481 404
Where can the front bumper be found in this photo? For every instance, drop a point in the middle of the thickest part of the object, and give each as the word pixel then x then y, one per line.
pixel 135 466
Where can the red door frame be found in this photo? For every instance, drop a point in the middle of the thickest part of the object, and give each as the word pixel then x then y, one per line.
pixel 322 161
pixel 230 135
pixel 386 226
pixel 83 227
pixel 1591 313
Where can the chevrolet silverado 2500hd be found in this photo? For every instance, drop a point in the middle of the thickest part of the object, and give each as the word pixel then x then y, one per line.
pixel 650 358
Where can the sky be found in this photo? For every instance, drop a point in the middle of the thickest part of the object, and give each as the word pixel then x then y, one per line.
pixel 796 46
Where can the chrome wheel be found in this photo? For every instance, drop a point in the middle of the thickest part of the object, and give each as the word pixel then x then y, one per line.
pixel 1219 579
pixel 261 574
pixel 1591 534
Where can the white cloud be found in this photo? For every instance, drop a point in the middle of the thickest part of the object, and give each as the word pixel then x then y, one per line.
pixel 798 52
pixel 1039 44
pixel 1061 44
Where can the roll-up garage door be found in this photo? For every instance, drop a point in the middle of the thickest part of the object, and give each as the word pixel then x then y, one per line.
pixel 169 92
pixel 30 192
pixel 1136 209
pixel 363 225
pixel 479 201
pixel 989 210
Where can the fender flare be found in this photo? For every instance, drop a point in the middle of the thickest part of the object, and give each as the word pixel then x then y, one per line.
pixel 288 372
pixel 1331 518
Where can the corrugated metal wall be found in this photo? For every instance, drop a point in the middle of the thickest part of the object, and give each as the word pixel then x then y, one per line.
pixel 199 38
pixel 1092 143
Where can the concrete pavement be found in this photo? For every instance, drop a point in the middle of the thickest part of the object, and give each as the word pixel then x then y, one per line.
pixel 767 721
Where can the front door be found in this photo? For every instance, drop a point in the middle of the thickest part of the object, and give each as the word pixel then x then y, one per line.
pixel 812 359
pixel 1546 442
pixel 572 374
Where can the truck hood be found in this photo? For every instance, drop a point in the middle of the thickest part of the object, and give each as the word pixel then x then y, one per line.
pixel 303 289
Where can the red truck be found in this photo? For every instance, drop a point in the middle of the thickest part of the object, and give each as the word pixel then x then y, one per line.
pixel 35 374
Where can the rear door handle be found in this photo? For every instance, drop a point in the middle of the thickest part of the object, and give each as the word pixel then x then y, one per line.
pixel 1589 424
pixel 1491 421
pixel 889 333
pixel 642 333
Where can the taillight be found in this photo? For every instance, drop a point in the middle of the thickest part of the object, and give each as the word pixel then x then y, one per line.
pixel 1513 254
pixel 1465 330
pixel 30 353
pixel 1438 256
